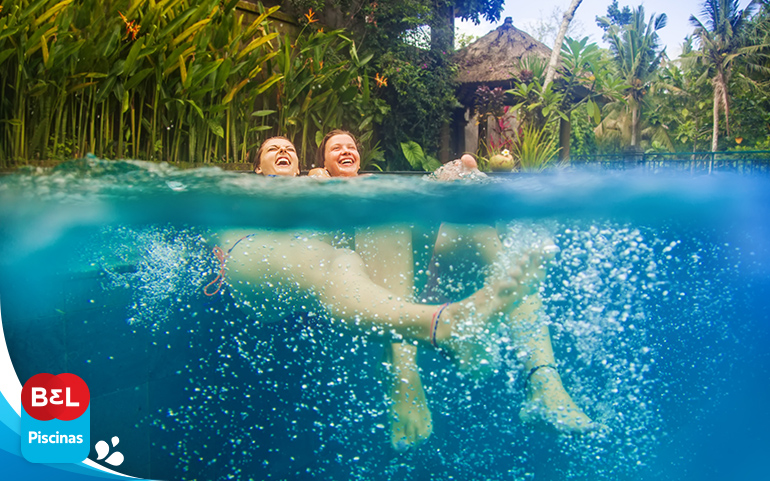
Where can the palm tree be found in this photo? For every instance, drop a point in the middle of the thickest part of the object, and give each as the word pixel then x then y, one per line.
pixel 637 55
pixel 720 45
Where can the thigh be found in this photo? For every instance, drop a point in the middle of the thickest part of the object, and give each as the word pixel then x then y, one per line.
pixel 268 268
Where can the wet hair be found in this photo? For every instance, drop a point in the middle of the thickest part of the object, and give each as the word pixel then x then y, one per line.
pixel 261 150
pixel 319 154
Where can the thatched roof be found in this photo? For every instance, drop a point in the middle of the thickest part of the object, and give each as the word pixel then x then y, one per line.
pixel 493 58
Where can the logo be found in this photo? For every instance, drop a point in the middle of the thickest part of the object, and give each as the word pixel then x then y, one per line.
pixel 103 449
pixel 56 419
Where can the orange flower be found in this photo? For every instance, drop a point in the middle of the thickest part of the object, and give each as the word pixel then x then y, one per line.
pixel 309 16
pixel 321 30
pixel 132 28
pixel 381 81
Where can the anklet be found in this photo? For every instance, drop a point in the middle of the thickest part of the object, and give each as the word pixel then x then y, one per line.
pixel 434 324
pixel 534 369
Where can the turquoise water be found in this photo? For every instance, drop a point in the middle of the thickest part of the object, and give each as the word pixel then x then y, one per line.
pixel 656 303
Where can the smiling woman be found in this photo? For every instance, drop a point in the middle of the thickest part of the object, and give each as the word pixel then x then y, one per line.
pixel 338 154
pixel 277 156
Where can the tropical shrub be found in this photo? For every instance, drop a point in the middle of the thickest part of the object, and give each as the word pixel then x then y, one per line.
pixel 171 80
pixel 325 85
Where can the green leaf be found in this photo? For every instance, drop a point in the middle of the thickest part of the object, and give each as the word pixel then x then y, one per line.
pixel 365 123
pixel 132 55
pixel 268 83
pixel 595 112
pixel 215 128
pixel 413 153
pixel 430 164
pixel 137 78
pixel 196 108
pixel 223 73
pixel 263 113
pixel 105 89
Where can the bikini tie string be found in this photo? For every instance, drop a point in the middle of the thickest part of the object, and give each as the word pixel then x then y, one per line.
pixel 222 257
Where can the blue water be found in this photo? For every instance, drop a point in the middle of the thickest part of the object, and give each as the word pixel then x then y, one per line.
pixel 657 304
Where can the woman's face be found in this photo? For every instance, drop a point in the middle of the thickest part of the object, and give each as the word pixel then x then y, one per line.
pixel 341 157
pixel 279 157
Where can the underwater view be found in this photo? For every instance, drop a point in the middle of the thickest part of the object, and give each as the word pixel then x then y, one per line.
pixel 655 298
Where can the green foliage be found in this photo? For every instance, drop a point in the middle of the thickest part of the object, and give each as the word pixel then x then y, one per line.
pixel 721 44
pixel 164 81
pixel 535 148
pixel 420 87
pixel 421 95
pixel 538 107
pixel 417 158
pixel 326 85
pixel 582 137
pixel 636 57
pixel 616 16
pixel 172 81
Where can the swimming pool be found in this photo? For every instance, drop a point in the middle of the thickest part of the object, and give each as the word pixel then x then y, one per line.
pixel 656 301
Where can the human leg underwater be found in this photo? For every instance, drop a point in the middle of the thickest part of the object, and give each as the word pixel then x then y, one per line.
pixel 267 265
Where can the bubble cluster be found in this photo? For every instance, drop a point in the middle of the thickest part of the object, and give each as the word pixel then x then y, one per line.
pixel 163 268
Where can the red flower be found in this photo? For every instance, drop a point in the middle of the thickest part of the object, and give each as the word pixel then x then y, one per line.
pixel 132 28
pixel 309 16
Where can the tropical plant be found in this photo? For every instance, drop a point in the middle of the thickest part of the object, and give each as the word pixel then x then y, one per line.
pixel 537 106
pixel 720 45
pixel 636 56
pixel 680 105
pixel 417 158
pixel 535 148
pixel 155 80
pixel 325 86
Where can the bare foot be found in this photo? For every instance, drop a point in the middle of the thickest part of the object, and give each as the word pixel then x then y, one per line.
pixel 411 422
pixel 548 405
pixel 462 168
pixel 467 328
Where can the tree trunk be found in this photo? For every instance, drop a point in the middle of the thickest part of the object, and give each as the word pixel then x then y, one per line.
pixel 556 52
pixel 634 123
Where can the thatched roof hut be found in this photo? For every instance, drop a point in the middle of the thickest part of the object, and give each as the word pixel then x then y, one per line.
pixel 492 60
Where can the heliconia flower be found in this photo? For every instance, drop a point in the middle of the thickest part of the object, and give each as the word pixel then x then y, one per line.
pixel 309 16
pixel 132 28
pixel 381 81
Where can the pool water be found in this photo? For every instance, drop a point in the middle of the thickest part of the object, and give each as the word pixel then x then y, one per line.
pixel 656 302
